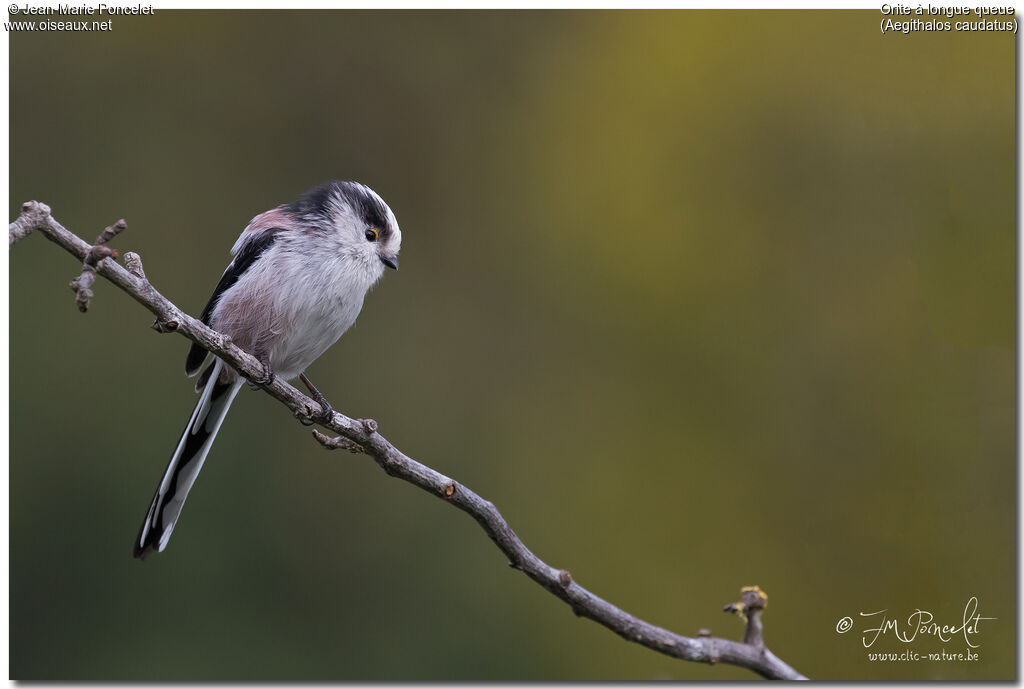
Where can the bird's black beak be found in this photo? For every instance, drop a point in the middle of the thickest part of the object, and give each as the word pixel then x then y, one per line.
pixel 390 261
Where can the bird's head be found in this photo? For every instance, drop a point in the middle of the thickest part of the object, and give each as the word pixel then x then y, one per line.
pixel 357 220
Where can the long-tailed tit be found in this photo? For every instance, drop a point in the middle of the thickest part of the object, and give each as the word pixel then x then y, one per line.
pixel 295 285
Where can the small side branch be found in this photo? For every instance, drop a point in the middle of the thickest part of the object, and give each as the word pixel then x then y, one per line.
pixel 752 601
pixel 362 435
pixel 337 442
pixel 82 285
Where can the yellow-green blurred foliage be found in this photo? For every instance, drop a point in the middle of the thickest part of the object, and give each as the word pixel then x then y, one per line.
pixel 698 299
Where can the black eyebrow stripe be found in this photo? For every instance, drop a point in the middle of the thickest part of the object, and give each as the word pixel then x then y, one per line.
pixel 373 212
pixel 366 205
pixel 246 256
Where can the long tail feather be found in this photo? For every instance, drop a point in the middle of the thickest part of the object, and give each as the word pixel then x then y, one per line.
pixel 185 463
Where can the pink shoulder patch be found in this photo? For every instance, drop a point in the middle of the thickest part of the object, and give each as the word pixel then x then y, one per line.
pixel 275 217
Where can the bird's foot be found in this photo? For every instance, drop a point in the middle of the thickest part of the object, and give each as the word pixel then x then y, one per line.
pixel 266 377
pixel 326 413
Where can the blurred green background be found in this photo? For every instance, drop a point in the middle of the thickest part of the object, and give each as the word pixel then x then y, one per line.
pixel 698 299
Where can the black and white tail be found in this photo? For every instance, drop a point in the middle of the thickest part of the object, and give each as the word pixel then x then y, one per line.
pixel 186 462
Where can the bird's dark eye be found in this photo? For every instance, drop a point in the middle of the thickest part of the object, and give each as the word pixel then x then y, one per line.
pixel 371 235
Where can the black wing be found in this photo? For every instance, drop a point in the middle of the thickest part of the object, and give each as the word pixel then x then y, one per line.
pixel 245 257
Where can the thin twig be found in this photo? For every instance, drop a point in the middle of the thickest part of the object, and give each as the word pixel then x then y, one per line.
pixel 752 601
pixel 337 442
pixel 82 285
pixel 364 434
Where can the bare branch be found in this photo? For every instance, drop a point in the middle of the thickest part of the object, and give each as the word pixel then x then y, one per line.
pixel 363 435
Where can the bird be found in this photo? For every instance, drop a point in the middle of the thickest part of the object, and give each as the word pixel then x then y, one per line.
pixel 296 282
